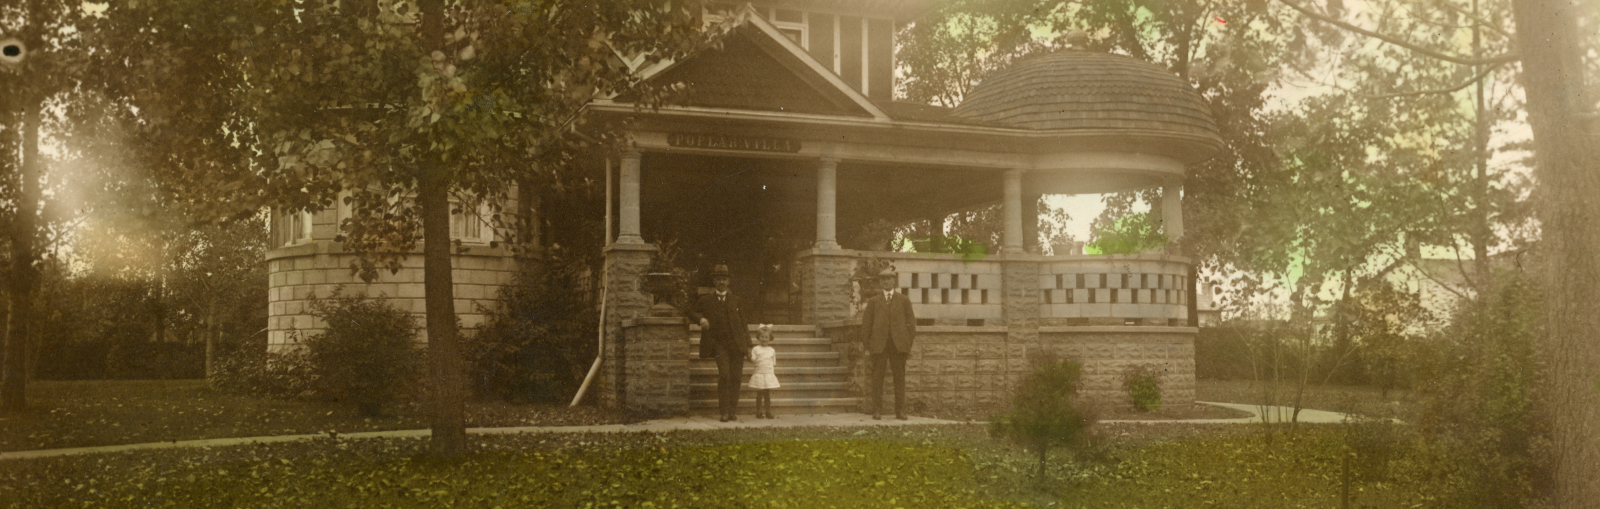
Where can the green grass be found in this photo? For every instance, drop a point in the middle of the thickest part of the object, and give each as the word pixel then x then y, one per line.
pixel 110 412
pixel 1167 465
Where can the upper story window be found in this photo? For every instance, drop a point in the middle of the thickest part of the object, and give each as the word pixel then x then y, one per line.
pixel 291 228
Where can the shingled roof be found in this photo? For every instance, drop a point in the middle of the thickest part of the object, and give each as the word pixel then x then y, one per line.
pixel 1078 89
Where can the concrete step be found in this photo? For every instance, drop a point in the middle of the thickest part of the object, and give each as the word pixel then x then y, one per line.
pixel 786 374
pixel 784 359
pixel 788 406
pixel 789 390
pixel 782 345
pixel 778 331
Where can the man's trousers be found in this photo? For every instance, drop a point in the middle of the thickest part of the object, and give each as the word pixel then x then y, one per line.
pixel 896 361
pixel 730 370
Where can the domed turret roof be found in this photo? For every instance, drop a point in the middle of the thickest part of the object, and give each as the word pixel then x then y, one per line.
pixel 1089 90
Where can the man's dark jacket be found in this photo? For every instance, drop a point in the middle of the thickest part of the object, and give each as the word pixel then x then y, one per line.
pixel 889 321
pixel 727 324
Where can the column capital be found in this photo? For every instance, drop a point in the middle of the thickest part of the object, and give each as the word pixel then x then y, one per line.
pixel 630 152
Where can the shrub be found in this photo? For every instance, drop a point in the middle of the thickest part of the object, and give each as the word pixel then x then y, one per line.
pixel 1045 412
pixel 538 345
pixel 367 356
pixel 252 370
pixel 1144 390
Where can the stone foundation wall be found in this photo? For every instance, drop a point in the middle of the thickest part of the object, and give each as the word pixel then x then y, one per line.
pixel 297 273
pixel 976 369
pixel 1110 353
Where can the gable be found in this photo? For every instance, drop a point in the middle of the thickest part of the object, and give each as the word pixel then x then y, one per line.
pixel 751 71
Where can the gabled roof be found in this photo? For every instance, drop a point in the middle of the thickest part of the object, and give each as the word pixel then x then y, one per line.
pixel 757 68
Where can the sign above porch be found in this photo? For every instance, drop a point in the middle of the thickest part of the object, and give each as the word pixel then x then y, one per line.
pixel 733 142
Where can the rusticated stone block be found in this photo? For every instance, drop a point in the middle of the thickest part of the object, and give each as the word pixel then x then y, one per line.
pixel 988 366
pixel 656 365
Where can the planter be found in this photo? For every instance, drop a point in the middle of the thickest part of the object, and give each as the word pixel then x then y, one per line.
pixel 661 286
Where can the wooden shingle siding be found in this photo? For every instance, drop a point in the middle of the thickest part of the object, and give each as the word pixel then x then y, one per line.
pixel 1076 89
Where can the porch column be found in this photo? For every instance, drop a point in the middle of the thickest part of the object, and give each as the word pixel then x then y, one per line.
pixel 1172 209
pixel 628 220
pixel 1013 211
pixel 827 199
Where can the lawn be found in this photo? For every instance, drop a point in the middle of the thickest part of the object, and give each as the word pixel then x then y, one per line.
pixel 1164 465
pixel 109 412
pixel 1131 465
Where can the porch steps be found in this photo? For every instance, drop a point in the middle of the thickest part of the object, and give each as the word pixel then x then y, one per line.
pixel 814 378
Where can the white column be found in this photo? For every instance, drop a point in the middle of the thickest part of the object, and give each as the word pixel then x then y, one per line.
pixel 1172 209
pixel 827 199
pixel 628 227
pixel 1013 211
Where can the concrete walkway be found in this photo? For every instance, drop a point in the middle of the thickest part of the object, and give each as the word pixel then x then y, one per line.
pixel 1273 413
pixel 688 423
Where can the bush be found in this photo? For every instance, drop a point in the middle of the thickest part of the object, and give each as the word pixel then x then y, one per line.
pixel 250 369
pixel 538 345
pixel 367 356
pixel 1481 414
pixel 1222 353
pixel 1144 390
pixel 1045 411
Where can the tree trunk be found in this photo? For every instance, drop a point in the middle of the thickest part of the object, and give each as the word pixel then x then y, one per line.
pixel 24 277
pixel 438 290
pixel 211 337
pixel 1568 172
pixel 449 423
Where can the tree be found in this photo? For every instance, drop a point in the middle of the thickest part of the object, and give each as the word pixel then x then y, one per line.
pixel 405 105
pixel 1044 411
pixel 1560 113
pixel 48 72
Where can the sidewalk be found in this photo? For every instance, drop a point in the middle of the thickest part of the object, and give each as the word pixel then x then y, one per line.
pixel 687 423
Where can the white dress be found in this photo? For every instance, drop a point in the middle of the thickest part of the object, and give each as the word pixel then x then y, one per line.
pixel 766 359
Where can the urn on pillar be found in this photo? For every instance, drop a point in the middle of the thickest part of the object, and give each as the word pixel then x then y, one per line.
pixel 661 286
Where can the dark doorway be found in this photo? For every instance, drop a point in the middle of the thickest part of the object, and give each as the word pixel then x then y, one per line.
pixel 753 214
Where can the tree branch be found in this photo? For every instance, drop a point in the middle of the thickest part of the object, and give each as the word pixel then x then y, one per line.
pixel 1500 59
pixel 1492 27
pixel 1453 88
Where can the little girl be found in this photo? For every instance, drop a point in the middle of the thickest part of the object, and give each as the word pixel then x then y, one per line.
pixel 763 380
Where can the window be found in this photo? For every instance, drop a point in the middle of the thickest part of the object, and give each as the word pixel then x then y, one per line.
pixel 291 228
pixel 792 24
pixel 470 225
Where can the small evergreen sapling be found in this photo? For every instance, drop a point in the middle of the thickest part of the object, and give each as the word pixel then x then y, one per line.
pixel 1045 411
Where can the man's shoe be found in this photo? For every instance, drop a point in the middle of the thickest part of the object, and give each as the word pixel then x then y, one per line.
pixel 877 416
pixel 724 418
pixel 901 417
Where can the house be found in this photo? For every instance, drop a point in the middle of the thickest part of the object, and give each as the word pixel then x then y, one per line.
pixel 788 137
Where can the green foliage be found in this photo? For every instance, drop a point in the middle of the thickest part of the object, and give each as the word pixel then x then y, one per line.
pixel 367 356
pixel 1145 391
pixel 537 345
pixel 1129 234
pixel 1045 412
pixel 1221 353
pixel 1481 413
pixel 251 369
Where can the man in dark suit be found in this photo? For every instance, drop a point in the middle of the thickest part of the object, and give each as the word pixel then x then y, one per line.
pixel 725 336
pixel 890 327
